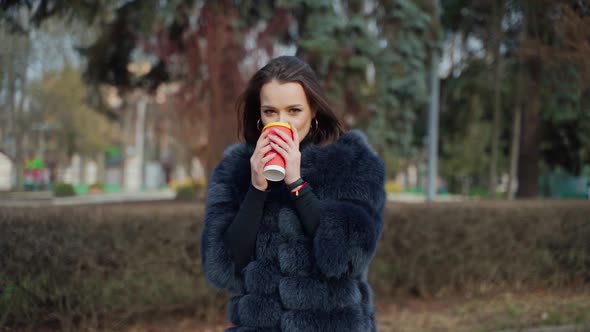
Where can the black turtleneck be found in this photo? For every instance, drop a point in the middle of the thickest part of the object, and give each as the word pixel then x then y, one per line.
pixel 240 237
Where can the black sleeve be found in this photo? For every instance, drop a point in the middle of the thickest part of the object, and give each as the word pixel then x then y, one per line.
pixel 307 205
pixel 240 236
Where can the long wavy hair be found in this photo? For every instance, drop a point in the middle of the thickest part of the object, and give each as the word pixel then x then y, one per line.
pixel 287 69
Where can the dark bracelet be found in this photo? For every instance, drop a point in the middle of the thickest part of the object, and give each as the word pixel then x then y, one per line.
pixel 295 184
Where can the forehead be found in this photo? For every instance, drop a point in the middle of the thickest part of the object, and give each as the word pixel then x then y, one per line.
pixel 282 94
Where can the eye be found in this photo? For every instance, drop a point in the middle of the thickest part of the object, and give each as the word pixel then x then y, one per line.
pixel 268 112
pixel 295 110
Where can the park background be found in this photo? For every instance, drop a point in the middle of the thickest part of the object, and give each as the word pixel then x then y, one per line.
pixel 113 113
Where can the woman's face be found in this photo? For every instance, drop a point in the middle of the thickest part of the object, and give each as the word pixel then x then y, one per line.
pixel 286 102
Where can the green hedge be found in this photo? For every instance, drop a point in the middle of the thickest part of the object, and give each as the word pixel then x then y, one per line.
pixel 433 249
pixel 187 193
pixel 64 190
pixel 78 265
pixel 102 266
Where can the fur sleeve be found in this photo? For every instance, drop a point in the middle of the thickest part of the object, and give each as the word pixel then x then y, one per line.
pixel 352 199
pixel 221 208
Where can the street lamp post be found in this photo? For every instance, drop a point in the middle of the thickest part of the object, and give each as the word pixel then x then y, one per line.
pixel 433 130
pixel 433 118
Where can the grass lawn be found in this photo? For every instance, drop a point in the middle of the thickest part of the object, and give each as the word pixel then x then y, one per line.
pixel 489 313
pixel 492 312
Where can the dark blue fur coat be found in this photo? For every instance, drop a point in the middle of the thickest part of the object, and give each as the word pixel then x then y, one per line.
pixel 295 282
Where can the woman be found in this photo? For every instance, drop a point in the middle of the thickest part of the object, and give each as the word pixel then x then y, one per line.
pixel 294 253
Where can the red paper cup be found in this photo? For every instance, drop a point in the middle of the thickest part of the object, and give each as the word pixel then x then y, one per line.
pixel 274 169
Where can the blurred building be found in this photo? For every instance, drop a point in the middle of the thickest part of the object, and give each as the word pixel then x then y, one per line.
pixel 151 151
pixel 6 172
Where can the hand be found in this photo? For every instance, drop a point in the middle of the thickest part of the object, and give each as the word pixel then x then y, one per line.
pixel 288 148
pixel 258 160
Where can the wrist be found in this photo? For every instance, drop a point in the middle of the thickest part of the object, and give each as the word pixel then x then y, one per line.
pixel 259 188
pixel 293 183
pixel 300 190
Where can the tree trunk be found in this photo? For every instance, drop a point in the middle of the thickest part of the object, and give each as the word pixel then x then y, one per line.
pixel 465 185
pixel 406 172
pixel 16 71
pixel 82 170
pixel 529 154
pixel 514 152
pixel 100 168
pixel 516 134
pixel 224 54
pixel 21 130
pixel 18 162
pixel 16 149
pixel 496 124
pixel 517 125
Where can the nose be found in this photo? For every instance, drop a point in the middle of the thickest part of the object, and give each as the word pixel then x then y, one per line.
pixel 282 117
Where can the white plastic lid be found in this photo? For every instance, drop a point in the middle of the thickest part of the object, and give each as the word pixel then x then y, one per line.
pixel 274 173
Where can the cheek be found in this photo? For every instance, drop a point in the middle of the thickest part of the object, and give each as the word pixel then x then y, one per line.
pixel 302 129
pixel 301 126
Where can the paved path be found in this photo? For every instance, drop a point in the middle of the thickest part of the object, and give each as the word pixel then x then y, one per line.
pixel 564 328
pixel 159 195
pixel 418 198
pixel 39 199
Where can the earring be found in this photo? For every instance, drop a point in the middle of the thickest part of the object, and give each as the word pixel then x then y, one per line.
pixel 258 125
pixel 316 124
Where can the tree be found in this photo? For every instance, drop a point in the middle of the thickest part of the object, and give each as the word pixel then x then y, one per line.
pixel 466 125
pixel 546 42
pixel 14 61
pixel 353 45
pixel 408 33
pixel 496 47
pixel 337 42
pixel 464 157
pixel 72 126
pixel 556 44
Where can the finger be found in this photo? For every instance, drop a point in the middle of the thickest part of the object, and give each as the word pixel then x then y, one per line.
pixel 280 150
pixel 268 158
pixel 262 143
pixel 263 136
pixel 285 136
pixel 265 149
pixel 280 142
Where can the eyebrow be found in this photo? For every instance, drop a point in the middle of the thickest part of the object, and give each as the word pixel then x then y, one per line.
pixel 272 108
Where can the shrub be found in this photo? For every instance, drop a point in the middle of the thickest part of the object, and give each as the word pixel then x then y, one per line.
pixel 431 249
pixel 96 188
pixel 64 190
pixel 107 264
pixel 101 265
pixel 393 187
pixel 186 193
pixel 190 190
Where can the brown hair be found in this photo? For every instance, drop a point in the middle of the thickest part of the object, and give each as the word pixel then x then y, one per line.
pixel 287 69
